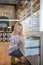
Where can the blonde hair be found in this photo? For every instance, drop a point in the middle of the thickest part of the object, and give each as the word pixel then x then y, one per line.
pixel 16 27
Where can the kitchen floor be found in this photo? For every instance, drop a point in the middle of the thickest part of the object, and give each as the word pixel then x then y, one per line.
pixel 5 59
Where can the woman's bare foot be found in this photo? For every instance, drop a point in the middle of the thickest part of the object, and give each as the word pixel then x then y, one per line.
pixel 17 59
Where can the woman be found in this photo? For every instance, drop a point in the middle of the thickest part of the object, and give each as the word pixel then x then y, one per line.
pixel 16 41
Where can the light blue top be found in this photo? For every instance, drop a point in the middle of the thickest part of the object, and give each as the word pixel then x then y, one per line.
pixel 14 40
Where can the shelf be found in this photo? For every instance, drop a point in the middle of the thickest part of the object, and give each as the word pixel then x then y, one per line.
pixel 27 15
pixel 35 34
pixel 33 1
pixel 32 12
pixel 31 8
pixel 36 13
pixel 36 3
pixel 28 6
pixel 36 8
pixel 26 12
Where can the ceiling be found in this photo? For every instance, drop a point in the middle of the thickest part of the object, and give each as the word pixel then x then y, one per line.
pixel 12 1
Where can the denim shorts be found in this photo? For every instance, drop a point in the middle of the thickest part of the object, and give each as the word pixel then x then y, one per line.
pixel 16 53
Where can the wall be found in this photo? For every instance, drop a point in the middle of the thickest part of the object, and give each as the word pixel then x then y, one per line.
pixel 6 10
pixel 9 11
pixel 41 29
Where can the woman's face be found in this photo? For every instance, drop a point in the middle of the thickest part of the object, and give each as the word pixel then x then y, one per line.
pixel 20 30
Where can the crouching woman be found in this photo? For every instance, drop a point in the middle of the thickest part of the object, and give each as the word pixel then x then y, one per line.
pixel 15 42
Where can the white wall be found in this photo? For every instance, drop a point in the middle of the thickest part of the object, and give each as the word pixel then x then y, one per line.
pixel 41 15
pixel 41 29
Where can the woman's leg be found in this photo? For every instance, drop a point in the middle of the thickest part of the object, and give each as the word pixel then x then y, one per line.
pixel 23 59
pixel 14 60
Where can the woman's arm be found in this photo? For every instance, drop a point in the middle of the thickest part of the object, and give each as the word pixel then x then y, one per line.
pixel 20 40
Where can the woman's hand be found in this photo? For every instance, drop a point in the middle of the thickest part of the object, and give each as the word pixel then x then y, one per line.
pixel 20 42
